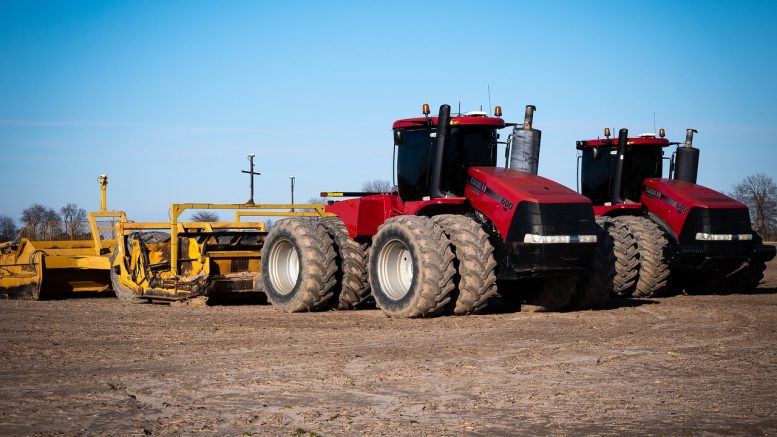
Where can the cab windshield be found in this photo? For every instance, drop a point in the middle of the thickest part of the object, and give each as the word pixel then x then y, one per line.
pixel 466 146
pixel 597 172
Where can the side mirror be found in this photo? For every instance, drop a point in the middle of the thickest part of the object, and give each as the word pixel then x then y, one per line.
pixel 399 137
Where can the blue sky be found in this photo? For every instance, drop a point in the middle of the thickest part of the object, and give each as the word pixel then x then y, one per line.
pixel 168 98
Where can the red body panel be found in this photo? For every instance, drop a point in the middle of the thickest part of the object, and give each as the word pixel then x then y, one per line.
pixel 362 216
pixel 496 122
pixel 419 207
pixel 496 192
pixel 671 200
pixel 618 209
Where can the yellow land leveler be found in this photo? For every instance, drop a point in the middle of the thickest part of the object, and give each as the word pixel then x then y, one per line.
pixel 74 262
pixel 146 261
pixel 168 261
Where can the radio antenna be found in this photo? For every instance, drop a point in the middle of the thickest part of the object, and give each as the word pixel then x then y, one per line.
pixel 654 122
pixel 489 99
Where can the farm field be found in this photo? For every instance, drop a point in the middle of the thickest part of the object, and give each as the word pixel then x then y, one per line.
pixel 677 365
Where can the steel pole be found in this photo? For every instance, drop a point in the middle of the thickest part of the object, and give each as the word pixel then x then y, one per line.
pixel 292 193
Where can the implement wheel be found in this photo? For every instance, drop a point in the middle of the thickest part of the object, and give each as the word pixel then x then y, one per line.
pixel 298 266
pixel 352 282
pixel 411 267
pixel 123 293
pixel 475 265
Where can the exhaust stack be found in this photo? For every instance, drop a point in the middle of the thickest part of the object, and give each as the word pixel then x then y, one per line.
pixel 687 160
pixel 525 144
pixel 617 182
pixel 443 127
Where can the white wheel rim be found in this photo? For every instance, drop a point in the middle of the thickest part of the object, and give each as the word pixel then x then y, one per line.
pixel 284 267
pixel 395 269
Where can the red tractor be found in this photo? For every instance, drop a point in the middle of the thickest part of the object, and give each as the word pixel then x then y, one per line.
pixel 668 233
pixel 454 225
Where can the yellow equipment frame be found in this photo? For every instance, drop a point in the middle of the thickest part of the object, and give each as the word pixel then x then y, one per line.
pixel 257 210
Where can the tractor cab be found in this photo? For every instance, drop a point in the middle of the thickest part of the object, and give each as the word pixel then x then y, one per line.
pixel 471 140
pixel 642 159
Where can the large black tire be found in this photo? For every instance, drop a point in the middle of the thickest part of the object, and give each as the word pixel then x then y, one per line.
pixel 353 285
pixel 596 283
pixel 555 295
pixel 475 265
pixel 747 279
pixel 122 293
pixel 626 256
pixel 653 269
pixel 411 267
pixel 299 266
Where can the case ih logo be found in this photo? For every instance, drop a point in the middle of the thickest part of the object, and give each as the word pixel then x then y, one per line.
pixel 659 195
pixel 480 186
pixel 477 184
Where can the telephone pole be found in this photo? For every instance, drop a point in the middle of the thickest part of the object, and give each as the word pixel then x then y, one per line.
pixel 252 173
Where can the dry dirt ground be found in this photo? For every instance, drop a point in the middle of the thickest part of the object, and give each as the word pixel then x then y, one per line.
pixel 678 365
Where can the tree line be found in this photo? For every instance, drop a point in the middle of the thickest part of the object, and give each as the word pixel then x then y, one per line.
pixel 41 222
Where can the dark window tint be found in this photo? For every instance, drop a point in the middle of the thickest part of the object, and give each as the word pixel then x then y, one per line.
pixel 467 146
pixel 414 164
pixel 641 162
pixel 596 174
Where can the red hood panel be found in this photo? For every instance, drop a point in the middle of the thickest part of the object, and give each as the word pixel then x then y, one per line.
pixel 692 195
pixel 497 192
pixel 525 186
pixel 671 200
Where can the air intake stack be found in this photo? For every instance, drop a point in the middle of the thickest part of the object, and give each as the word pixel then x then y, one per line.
pixel 687 160
pixel 525 144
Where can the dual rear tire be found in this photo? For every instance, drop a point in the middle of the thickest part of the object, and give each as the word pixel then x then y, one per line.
pixel 638 246
pixel 411 267
pixel 299 266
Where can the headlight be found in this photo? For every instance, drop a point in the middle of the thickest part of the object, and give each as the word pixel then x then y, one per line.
pixel 558 239
pixel 702 236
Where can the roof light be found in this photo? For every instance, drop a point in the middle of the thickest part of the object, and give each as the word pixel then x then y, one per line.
pixel 661 133
pixel 607 132
pixel 425 109
pixel 497 111
pixel 558 239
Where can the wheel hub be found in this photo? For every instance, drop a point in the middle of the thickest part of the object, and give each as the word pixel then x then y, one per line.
pixel 395 269
pixel 284 267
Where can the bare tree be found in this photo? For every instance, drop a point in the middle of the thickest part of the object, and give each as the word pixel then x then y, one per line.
pixel 377 186
pixel 7 228
pixel 205 216
pixel 313 200
pixel 74 218
pixel 759 193
pixel 41 221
